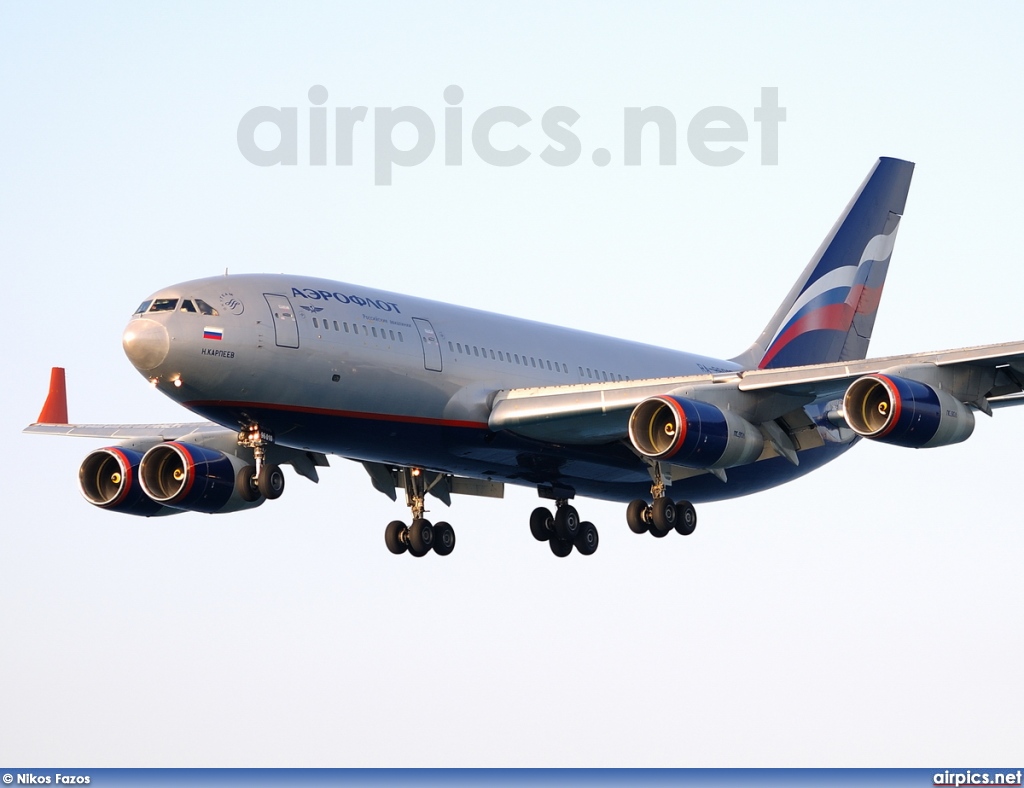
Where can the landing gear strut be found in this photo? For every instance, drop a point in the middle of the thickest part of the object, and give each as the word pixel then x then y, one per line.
pixel 266 479
pixel 563 530
pixel 420 537
pixel 663 515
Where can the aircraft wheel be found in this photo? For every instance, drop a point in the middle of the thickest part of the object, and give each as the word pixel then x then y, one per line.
pixel 686 518
pixel 663 517
pixel 421 537
pixel 541 523
pixel 444 539
pixel 271 482
pixel 586 540
pixel 567 523
pixel 393 537
pixel 635 516
pixel 245 486
pixel 560 547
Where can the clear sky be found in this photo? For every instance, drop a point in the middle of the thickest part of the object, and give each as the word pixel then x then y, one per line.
pixel 869 614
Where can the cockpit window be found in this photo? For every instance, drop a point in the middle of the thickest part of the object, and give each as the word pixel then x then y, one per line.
pixel 205 308
pixel 143 307
pixel 187 306
pixel 164 305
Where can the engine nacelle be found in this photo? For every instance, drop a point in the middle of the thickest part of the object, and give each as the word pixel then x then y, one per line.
pixel 905 412
pixel 693 434
pixel 109 479
pixel 197 479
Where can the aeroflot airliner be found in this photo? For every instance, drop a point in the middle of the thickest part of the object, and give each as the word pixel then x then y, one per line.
pixel 440 399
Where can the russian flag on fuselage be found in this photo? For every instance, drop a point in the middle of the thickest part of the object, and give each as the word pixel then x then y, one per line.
pixel 832 309
pixel 213 333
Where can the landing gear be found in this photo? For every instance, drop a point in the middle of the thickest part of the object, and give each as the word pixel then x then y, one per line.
pixel 264 478
pixel 421 536
pixel 663 515
pixel 563 529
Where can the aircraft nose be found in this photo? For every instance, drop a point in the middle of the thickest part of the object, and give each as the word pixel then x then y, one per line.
pixel 146 343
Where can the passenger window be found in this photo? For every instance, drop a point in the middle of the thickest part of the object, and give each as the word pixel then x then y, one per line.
pixel 451 347
pixel 206 309
pixel 142 307
pixel 459 346
pixel 501 356
pixel 400 337
pixel 517 358
pixel 392 333
pixel 315 324
pixel 375 331
pixel 336 326
pixel 164 305
pixel 476 351
pixel 549 365
pixel 365 332
pixel 492 355
pixel 533 362
pixel 346 327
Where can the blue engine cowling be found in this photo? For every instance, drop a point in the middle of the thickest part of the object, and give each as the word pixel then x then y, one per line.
pixel 693 434
pixel 195 479
pixel 905 412
pixel 109 479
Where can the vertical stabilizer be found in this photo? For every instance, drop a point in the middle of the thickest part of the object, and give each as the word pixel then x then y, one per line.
pixel 829 313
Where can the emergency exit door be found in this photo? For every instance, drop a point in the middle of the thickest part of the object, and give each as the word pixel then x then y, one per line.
pixel 431 345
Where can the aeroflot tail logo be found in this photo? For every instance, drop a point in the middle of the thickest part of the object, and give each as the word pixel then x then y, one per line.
pixel 270 135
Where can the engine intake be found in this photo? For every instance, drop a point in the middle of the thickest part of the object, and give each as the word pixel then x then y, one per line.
pixel 693 434
pixel 197 479
pixel 905 412
pixel 109 479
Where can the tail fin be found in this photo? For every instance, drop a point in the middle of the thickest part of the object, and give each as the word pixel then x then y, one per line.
pixel 829 313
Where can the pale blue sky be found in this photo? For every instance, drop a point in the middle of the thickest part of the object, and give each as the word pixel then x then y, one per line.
pixel 866 615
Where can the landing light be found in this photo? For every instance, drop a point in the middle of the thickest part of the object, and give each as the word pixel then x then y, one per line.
pixel 177 383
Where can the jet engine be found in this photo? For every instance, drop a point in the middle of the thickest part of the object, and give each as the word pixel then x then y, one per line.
pixel 693 434
pixel 109 479
pixel 197 479
pixel 905 412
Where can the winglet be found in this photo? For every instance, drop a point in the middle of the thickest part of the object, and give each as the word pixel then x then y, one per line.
pixel 55 409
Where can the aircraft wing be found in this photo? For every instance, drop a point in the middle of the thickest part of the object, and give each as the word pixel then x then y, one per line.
pixel 984 377
pixel 127 432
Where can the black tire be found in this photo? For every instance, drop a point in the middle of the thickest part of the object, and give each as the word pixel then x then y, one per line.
pixel 663 516
pixel 541 523
pixel 421 538
pixel 271 482
pixel 686 518
pixel 567 523
pixel 636 516
pixel 245 486
pixel 393 537
pixel 444 539
pixel 560 547
pixel 587 539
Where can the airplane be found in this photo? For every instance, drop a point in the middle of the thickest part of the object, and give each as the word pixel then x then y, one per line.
pixel 437 399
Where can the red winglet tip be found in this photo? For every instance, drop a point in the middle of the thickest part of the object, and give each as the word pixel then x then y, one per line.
pixel 55 409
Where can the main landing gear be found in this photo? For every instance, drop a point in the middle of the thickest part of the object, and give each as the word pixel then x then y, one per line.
pixel 420 537
pixel 264 478
pixel 663 515
pixel 563 530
